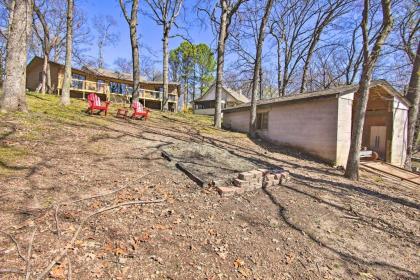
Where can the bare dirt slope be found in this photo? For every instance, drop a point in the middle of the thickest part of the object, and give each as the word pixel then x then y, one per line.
pixel 318 226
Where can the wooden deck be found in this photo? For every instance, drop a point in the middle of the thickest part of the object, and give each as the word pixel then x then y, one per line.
pixel 85 86
pixel 391 170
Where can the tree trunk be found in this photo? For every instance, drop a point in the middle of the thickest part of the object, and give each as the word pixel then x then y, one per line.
pixel 184 105
pixel 307 62
pixel 369 61
pixel 285 74
pixel 279 68
pixel 165 69
pixel 13 97
pixel 65 94
pixel 413 95
pixel 135 51
pixel 43 87
pixel 49 85
pixel 194 82
pixel 260 82
pixel 220 64
pixel 257 68
pixel 352 170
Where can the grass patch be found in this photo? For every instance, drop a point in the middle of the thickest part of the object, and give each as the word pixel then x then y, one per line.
pixel 8 157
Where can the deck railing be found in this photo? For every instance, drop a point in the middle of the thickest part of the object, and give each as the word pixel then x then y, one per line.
pixel 98 87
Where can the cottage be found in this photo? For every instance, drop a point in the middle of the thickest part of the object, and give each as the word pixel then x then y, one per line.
pixel 205 105
pixel 103 82
pixel 320 122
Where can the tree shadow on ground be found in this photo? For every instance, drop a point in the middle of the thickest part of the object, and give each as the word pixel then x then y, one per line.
pixel 346 257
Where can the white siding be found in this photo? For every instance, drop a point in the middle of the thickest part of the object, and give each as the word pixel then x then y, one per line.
pixel 345 105
pixel 399 134
pixel 209 111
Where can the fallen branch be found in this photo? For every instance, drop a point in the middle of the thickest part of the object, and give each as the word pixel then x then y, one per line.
pixel 90 197
pixel 76 234
pixel 16 244
pixel 28 258
pixel 11 270
pixel 69 276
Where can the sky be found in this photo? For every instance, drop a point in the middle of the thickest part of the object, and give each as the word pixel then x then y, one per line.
pixel 150 33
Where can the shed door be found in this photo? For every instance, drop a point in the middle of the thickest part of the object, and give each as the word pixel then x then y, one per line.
pixel 378 140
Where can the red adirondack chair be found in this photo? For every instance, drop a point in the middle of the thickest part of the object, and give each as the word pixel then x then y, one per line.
pixel 95 104
pixel 139 111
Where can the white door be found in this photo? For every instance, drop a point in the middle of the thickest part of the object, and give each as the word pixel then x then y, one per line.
pixel 378 140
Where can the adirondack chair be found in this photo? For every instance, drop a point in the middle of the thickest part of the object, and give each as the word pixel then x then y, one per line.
pixel 139 111
pixel 95 104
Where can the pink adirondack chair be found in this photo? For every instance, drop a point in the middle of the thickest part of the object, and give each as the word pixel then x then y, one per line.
pixel 139 111
pixel 95 104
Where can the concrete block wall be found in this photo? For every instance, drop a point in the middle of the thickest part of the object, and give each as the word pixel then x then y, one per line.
pixel 310 126
pixel 399 134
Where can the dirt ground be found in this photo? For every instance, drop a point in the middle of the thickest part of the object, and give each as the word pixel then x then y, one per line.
pixel 318 226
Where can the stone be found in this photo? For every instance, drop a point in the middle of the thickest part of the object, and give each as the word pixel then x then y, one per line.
pixel 285 177
pixel 240 183
pixel 256 173
pixel 263 171
pixel 226 191
pixel 218 183
pixel 246 176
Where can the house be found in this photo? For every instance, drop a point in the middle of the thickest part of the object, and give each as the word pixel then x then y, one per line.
pixel 205 105
pixel 320 123
pixel 103 82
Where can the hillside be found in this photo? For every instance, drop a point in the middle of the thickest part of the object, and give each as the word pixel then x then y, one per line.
pixel 79 182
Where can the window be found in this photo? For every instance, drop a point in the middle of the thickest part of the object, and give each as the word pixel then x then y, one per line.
pixel 77 81
pixel 262 120
pixel 101 85
pixel 120 88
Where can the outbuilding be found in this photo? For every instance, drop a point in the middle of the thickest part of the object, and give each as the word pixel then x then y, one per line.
pixel 205 105
pixel 320 123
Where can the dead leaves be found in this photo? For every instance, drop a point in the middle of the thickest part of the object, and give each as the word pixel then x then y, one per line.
pixel 117 250
pixel 59 271
pixel 238 263
pixel 240 267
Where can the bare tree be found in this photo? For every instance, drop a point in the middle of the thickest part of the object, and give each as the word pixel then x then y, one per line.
pixel 369 60
pixel 164 13
pixel 5 10
pixel 132 23
pixel 65 93
pixel 47 44
pixel 13 97
pixel 257 68
pixel 326 69
pixel 354 57
pixel 106 36
pixel 123 65
pixel 413 95
pixel 325 14
pixel 292 23
pixel 278 35
pixel 228 9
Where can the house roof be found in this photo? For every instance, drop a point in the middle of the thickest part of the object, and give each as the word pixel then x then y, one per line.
pixel 302 97
pixel 236 95
pixel 107 73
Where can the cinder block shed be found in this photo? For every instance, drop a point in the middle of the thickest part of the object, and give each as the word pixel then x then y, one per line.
pixel 320 123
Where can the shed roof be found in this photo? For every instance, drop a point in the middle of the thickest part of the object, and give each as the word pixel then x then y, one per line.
pixel 303 97
pixel 236 95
